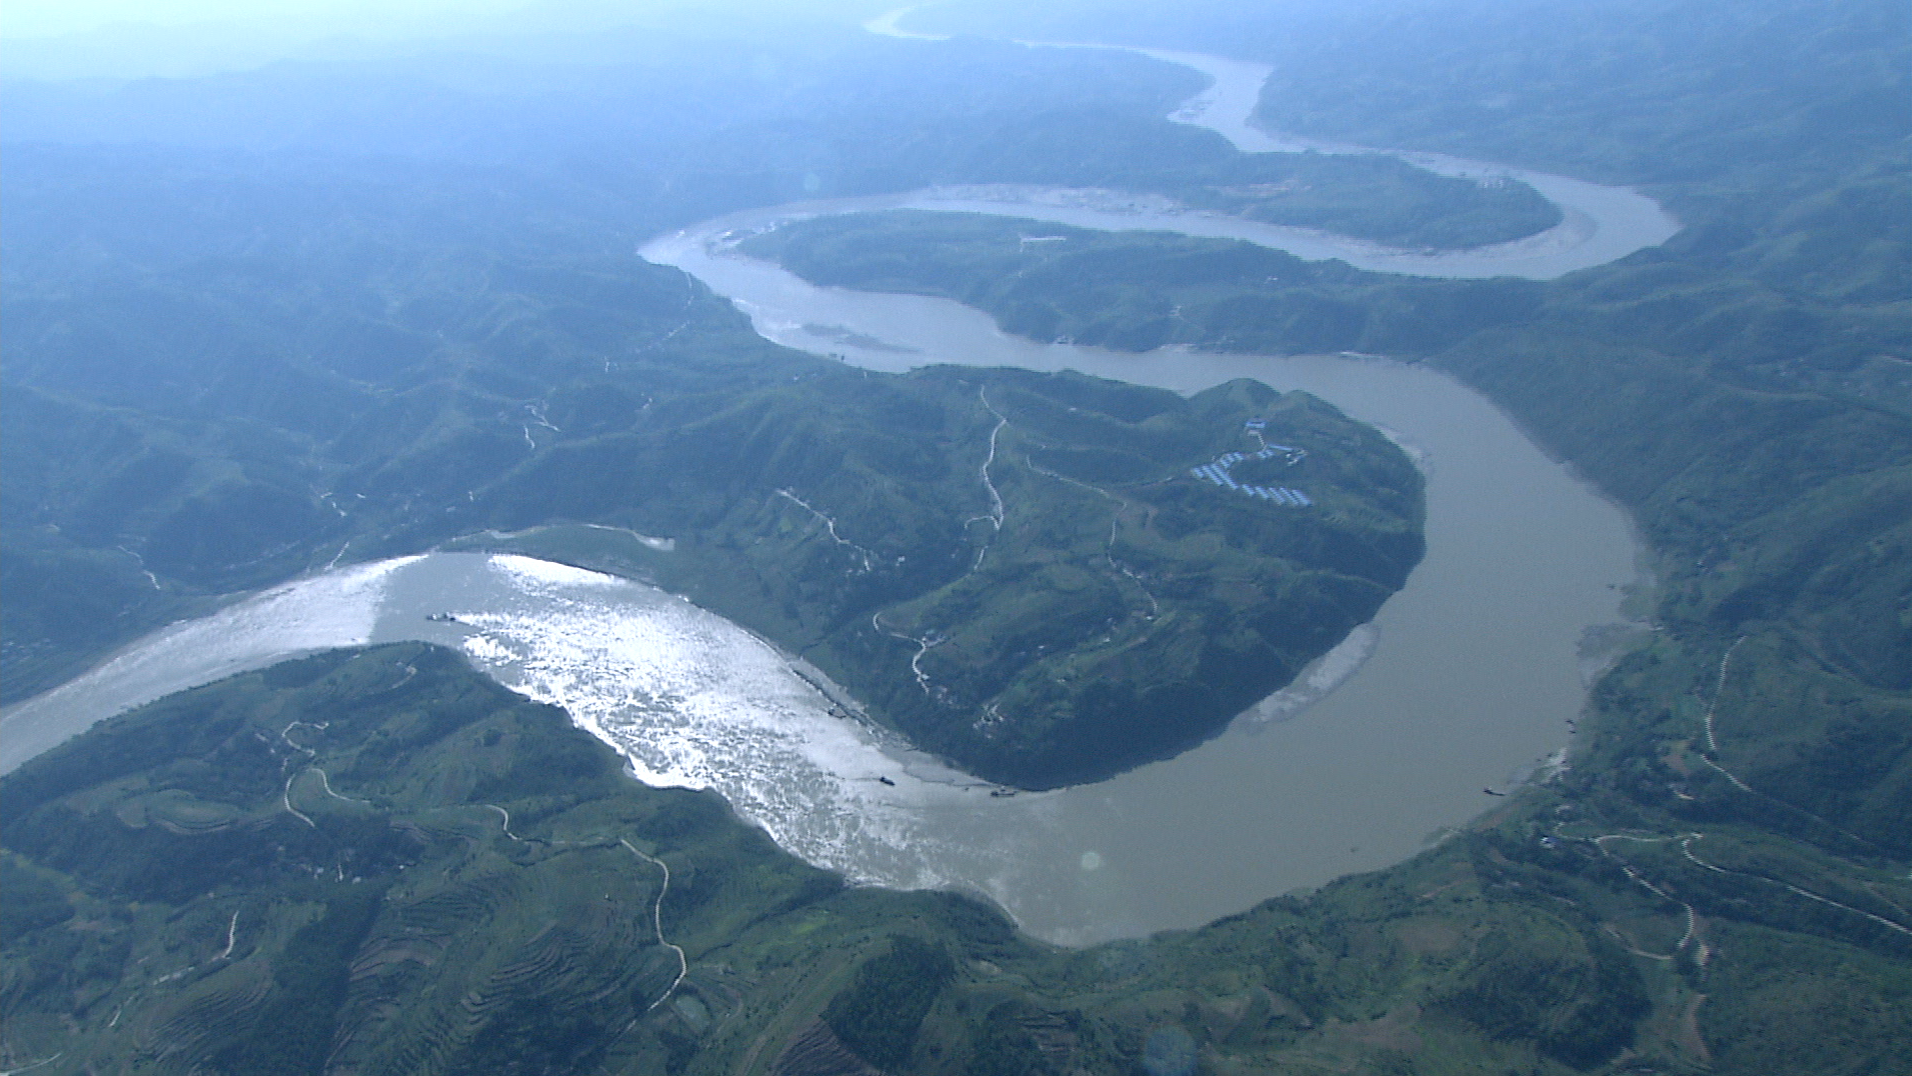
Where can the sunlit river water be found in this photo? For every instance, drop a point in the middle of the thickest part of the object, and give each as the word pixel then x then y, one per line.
pixel 1466 680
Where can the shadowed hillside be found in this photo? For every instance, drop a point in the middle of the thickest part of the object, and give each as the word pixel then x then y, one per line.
pixel 378 861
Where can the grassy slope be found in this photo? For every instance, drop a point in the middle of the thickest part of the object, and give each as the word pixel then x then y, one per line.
pixel 400 925
pixel 847 517
pixel 399 922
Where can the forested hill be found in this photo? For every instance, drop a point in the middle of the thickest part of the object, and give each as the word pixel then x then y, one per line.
pixel 379 861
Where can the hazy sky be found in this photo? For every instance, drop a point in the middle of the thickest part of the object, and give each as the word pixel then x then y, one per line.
pixel 39 18
pixel 56 39
pixel 136 38
pixel 43 18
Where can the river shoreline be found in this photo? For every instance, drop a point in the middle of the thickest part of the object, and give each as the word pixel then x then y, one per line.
pixel 1599 224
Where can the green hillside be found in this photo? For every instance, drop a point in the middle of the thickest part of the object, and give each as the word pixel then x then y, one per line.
pixel 1015 570
pixel 1039 540
pixel 1775 514
pixel 379 861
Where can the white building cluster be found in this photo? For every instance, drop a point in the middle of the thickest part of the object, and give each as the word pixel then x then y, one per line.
pixel 1217 472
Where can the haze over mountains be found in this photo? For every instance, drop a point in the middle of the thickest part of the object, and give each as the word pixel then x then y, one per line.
pixel 372 296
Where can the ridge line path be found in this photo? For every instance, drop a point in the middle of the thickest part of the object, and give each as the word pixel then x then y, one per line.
pixel 1686 849
pixel 505 822
pixel 1692 918
pixel 867 556
pixel 995 516
pixel 325 783
pixel 232 936
pixel 285 794
pixel 690 299
pixel 285 734
pixel 1712 749
pixel 922 647
pixel 141 562
pixel 657 921
pixel 1115 523
pixel 1712 743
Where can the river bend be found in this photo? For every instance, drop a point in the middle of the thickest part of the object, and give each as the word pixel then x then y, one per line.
pixel 1468 678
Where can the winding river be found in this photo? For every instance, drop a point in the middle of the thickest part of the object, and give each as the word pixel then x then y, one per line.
pixel 1468 679
pixel 1599 223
